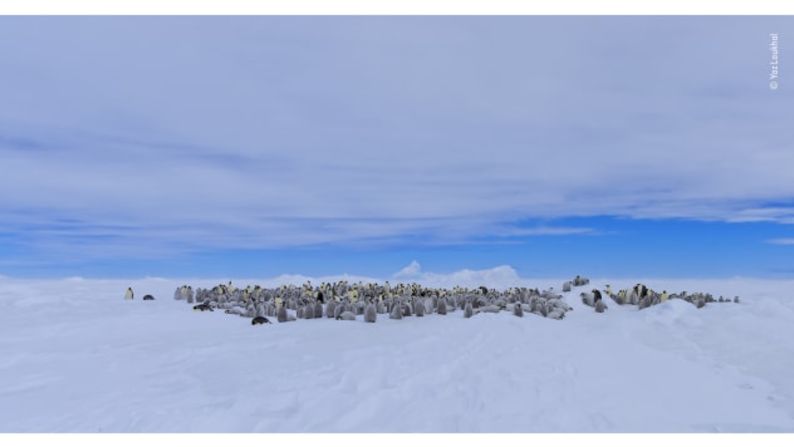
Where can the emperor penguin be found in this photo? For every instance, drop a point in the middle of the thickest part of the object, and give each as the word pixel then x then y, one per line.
pixel 318 309
pixel 259 320
pixel 346 316
pixel 664 296
pixel 419 309
pixel 396 312
pixel 600 307
pixel 518 310
pixel 330 308
pixel 468 311
pixel 442 307
pixel 203 307
pixel 370 314
pixel 129 294
pixel 308 311
pixel 148 298
pixel 338 310
pixel 281 315
pixel 406 309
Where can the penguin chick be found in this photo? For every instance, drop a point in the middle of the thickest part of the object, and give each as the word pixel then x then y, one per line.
pixel 518 310
pixel 281 315
pixel 370 314
pixel 419 310
pixel 442 307
pixel 346 316
pixel 600 307
pixel 396 312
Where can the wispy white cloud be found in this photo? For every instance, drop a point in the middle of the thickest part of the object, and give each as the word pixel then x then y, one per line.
pixel 270 132
pixel 782 241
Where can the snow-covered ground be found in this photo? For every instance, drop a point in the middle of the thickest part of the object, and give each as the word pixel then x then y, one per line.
pixel 77 357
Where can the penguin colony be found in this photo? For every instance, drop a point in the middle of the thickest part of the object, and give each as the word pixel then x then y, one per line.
pixel 343 301
pixel 349 302
pixel 643 297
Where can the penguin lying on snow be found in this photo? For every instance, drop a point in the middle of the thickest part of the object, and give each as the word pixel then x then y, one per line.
pixel 260 320
pixel 346 316
pixel 588 298
pixel 203 307
pixel 148 298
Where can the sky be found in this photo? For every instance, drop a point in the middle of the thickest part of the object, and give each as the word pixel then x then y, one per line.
pixel 257 146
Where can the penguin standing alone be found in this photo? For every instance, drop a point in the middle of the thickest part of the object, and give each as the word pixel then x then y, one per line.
pixel 129 294
pixel 370 314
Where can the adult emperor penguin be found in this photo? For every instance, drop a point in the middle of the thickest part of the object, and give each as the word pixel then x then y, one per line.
pixel 129 294
pixel 259 320
pixel 204 307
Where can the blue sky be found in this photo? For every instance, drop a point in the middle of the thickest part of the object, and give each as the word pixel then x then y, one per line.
pixel 254 146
